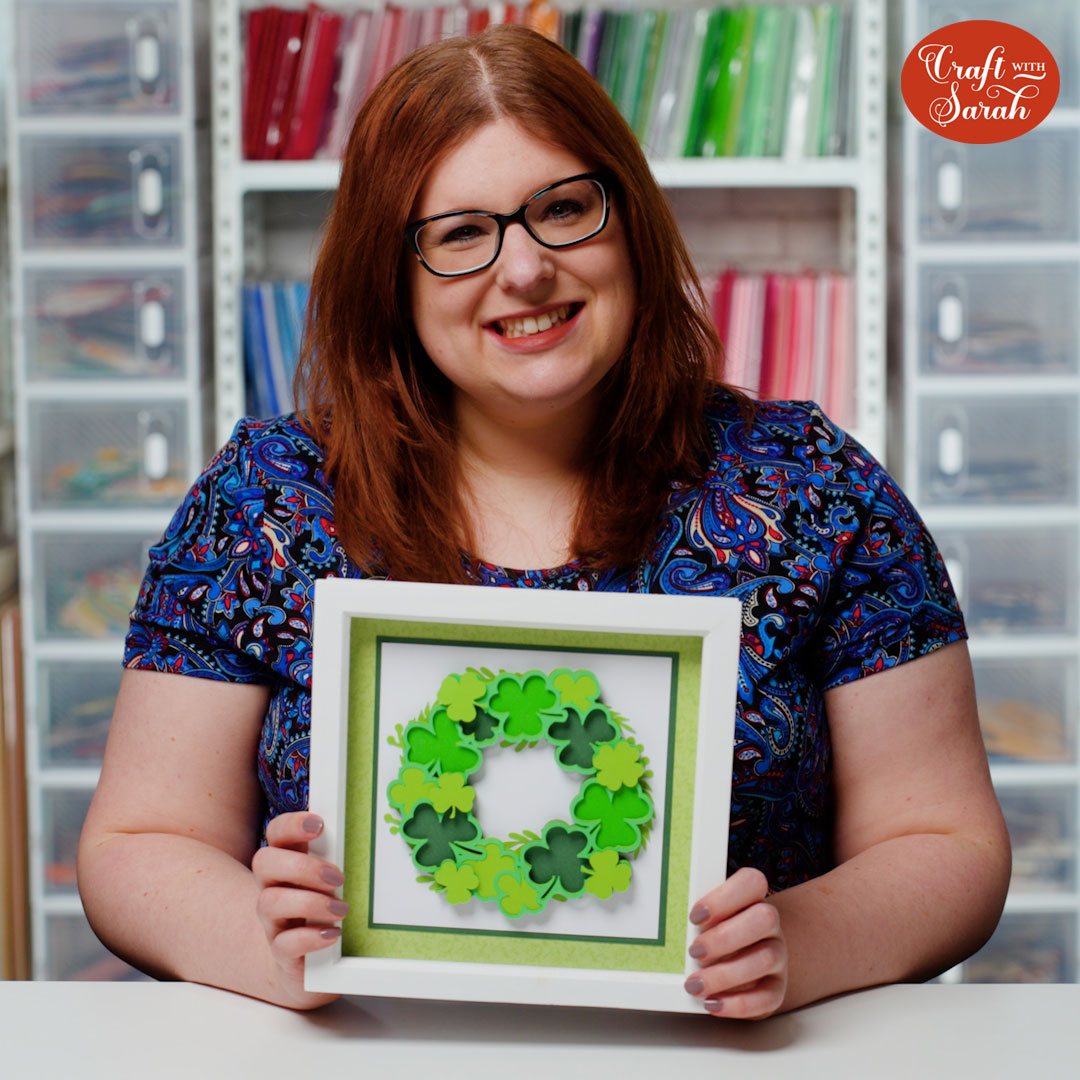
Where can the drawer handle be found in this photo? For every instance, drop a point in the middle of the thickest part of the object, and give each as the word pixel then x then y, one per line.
pixel 951 451
pixel 147 59
pixel 950 186
pixel 950 319
pixel 151 187
pixel 152 324
pixel 156 456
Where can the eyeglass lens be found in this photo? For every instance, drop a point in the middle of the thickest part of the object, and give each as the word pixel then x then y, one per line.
pixel 563 215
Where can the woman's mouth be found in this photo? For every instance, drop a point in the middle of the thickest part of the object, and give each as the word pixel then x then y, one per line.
pixel 529 325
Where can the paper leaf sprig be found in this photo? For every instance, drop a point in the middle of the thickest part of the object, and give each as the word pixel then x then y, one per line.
pixel 435 806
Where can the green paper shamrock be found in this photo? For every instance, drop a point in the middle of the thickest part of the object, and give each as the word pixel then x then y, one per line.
pixel 523 704
pixel 558 857
pixel 577 688
pixel 457 881
pixel 580 736
pixel 459 693
pixel 439 833
pixel 607 873
pixel 618 815
pixel 413 787
pixel 443 749
pixel 618 766
pixel 495 861
pixel 517 896
pixel 443 746
pixel 452 794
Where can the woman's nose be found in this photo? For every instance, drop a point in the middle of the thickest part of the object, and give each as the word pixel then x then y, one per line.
pixel 522 262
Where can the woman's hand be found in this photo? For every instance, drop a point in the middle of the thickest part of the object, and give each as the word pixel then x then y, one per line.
pixel 297 905
pixel 741 949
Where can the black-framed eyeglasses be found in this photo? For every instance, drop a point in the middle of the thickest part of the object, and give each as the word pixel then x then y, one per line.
pixel 558 216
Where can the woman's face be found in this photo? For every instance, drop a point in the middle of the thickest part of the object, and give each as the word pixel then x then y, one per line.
pixel 472 327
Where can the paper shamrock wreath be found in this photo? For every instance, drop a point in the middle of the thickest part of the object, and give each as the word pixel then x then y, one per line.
pixel 610 817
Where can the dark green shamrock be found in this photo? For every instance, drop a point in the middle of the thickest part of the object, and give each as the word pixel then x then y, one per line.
pixel 522 703
pixel 618 815
pixel 483 729
pixel 443 747
pixel 559 857
pixel 439 832
pixel 580 737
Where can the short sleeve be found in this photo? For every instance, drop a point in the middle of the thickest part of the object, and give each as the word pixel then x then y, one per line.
pixel 191 614
pixel 891 599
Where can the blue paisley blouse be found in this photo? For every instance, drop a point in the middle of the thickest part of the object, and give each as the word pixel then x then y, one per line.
pixel 837 576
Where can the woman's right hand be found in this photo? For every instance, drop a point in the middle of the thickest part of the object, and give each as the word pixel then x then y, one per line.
pixel 297 904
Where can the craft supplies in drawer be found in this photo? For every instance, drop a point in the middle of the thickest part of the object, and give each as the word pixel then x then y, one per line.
pixel 101 455
pixel 1042 827
pixel 1028 708
pixel 1016 319
pixel 74 953
pixel 99 192
pixel 1011 450
pixel 90 324
pixel 108 56
pixel 74 708
pixel 63 811
pixel 1023 190
pixel 85 585
pixel 1014 581
pixel 1028 947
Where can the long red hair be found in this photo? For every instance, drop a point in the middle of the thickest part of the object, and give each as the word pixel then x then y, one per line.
pixel 369 395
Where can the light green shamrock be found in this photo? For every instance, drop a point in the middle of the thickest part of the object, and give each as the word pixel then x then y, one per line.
pixel 517 896
pixel 618 766
pixel 460 693
pixel 412 787
pixel 458 881
pixel 495 861
pixel 453 792
pixel 578 689
pixel 607 873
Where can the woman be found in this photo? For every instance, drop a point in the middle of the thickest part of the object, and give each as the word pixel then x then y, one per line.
pixel 507 357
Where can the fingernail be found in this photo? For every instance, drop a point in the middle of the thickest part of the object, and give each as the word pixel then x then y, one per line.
pixel 333 876
pixel 699 914
pixel 338 907
pixel 693 985
pixel 697 950
pixel 313 824
pixel 714 1005
pixel 330 933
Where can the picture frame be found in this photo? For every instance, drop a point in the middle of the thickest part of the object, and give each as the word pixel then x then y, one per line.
pixel 424 696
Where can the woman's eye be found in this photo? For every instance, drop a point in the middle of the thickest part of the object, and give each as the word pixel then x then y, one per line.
pixel 564 210
pixel 461 236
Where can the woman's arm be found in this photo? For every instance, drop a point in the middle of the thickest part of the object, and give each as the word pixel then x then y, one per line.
pixel 166 851
pixel 922 854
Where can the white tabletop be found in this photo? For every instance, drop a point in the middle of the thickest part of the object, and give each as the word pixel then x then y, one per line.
pixel 165 1030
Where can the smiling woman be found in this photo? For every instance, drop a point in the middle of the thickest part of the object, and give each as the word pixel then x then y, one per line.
pixel 508 380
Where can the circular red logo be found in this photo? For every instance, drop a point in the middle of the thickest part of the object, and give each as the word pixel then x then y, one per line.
pixel 980 81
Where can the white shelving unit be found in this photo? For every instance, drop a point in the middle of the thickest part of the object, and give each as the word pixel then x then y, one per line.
pixel 108 386
pixel 266 214
pixel 991 366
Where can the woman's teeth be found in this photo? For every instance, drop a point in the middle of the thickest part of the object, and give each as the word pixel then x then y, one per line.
pixel 515 328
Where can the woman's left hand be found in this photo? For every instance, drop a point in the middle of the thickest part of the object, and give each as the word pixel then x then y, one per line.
pixel 741 949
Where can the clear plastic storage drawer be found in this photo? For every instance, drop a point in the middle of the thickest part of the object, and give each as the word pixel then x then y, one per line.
pixel 73 953
pixel 1042 827
pixel 1015 191
pixel 1036 947
pixel 999 319
pixel 84 586
pixel 108 56
pixel 1010 450
pixel 1028 708
pixel 95 456
pixel 1014 581
pixel 98 192
pixel 62 814
pixel 96 325
pixel 74 705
